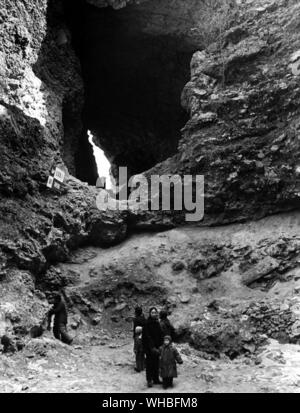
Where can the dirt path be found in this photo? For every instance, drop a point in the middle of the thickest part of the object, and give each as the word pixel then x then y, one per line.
pixel 110 369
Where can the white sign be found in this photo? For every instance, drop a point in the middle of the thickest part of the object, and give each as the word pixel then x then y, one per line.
pixel 59 175
pixel 50 182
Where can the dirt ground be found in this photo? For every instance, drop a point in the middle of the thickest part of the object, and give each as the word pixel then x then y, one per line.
pixel 109 368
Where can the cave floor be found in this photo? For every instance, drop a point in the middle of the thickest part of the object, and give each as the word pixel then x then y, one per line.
pixel 109 368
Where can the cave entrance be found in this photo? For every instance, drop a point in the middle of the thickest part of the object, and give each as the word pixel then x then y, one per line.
pixel 135 64
pixel 103 164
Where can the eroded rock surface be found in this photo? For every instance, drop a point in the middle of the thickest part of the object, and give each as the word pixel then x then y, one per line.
pixel 41 101
pixel 244 119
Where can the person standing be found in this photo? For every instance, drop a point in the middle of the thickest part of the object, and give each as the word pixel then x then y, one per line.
pixel 139 350
pixel 59 311
pixel 139 319
pixel 166 326
pixel 169 356
pixel 152 340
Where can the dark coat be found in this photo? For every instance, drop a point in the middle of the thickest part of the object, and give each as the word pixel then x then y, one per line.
pixel 167 328
pixel 138 321
pixel 152 336
pixel 169 356
pixel 59 311
pixel 138 345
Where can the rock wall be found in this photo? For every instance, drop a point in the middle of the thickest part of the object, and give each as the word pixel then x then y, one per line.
pixel 243 101
pixel 41 101
pixel 242 134
pixel 39 76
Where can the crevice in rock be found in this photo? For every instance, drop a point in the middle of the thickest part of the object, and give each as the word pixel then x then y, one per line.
pixel 86 169
pixel 134 72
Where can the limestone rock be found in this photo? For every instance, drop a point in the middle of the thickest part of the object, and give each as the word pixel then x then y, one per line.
pixel 263 267
pixel 178 266
pixel 241 82
pixel 185 299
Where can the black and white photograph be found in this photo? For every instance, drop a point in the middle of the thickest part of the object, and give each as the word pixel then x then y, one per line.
pixel 149 199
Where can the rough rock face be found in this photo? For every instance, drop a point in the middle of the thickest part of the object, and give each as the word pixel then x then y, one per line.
pixel 18 316
pixel 41 97
pixel 40 82
pixel 235 330
pixel 44 230
pixel 243 132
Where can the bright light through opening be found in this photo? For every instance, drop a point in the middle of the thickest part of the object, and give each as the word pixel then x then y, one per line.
pixel 103 164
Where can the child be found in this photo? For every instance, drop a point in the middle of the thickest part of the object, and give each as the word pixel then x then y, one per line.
pixel 139 350
pixel 169 356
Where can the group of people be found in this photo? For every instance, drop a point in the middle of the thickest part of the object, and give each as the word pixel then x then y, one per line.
pixel 153 347
pixel 153 341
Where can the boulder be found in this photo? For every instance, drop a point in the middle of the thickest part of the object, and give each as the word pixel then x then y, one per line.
pixel 264 267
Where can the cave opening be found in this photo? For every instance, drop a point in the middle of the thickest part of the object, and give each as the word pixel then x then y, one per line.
pixel 102 162
pixel 134 68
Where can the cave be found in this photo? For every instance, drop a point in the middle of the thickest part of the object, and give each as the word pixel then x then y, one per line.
pixel 134 65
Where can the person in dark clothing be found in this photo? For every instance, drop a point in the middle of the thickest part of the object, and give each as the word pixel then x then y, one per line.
pixel 59 311
pixel 139 319
pixel 169 356
pixel 166 326
pixel 139 350
pixel 152 340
